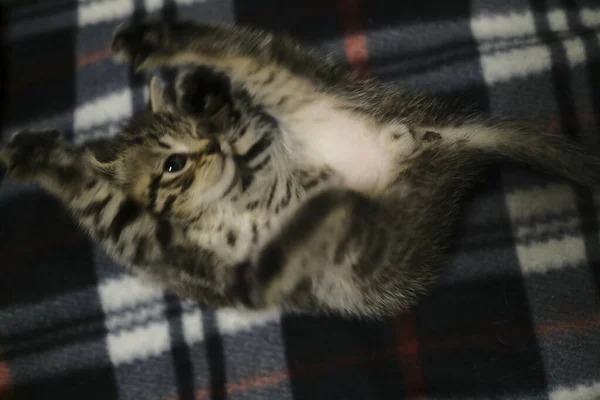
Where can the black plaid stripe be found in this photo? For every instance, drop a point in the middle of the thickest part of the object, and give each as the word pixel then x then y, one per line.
pixel 551 294
pixel 587 207
pixel 27 60
pixel 479 339
pixel 54 318
pixel 180 351
pixel 562 79
pixel 40 244
pixel 570 124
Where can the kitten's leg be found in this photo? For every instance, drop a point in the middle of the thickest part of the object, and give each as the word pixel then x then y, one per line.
pixel 327 258
pixel 135 237
pixel 345 253
pixel 276 71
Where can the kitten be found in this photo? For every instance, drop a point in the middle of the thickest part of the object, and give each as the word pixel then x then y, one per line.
pixel 282 178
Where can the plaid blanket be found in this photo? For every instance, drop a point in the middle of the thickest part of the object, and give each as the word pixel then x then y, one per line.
pixel 516 314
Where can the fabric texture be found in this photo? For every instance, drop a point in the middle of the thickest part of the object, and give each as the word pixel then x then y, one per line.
pixel 515 314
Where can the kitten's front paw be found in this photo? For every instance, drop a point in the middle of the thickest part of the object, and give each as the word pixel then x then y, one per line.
pixel 135 42
pixel 34 139
pixel 30 152
pixel 138 42
pixel 264 282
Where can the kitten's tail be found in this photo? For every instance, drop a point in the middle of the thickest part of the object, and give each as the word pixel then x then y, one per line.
pixel 547 152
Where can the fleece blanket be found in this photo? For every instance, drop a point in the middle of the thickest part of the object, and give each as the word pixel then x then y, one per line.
pixel 515 314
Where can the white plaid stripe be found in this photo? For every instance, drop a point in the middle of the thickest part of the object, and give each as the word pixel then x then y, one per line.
pixel 137 326
pixel 538 213
pixel 109 108
pixel 580 392
pixel 516 62
pixel 590 17
pixel 545 219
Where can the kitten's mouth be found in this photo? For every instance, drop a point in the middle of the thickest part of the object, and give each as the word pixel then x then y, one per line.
pixel 220 163
pixel 226 163
pixel 224 154
pixel 220 155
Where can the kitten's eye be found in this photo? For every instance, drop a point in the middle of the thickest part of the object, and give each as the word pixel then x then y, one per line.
pixel 175 163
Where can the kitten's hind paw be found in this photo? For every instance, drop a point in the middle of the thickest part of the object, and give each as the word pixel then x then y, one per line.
pixel 203 92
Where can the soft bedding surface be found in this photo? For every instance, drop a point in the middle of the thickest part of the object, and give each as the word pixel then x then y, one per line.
pixel 515 315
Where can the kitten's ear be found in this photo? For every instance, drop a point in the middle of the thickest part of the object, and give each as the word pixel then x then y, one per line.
pixel 159 99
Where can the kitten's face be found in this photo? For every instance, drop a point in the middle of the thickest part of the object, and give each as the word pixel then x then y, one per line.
pixel 170 162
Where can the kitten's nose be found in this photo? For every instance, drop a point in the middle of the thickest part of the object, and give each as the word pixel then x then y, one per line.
pixel 213 147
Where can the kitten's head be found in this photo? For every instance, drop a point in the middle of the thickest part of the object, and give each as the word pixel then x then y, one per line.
pixel 168 160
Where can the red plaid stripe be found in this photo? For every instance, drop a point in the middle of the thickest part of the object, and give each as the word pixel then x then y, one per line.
pixel 5 381
pixel 355 42
pixel 357 54
pixel 408 351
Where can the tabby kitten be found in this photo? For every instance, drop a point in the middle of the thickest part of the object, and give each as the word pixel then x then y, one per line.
pixel 282 179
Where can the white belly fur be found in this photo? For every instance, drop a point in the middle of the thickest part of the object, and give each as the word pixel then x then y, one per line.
pixel 348 144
